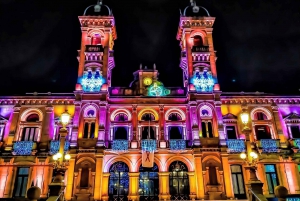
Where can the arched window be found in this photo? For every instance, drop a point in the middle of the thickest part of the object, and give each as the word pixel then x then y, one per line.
pixel 206 121
pixel 89 115
pixel 148 183
pixel 118 181
pixel 260 116
pixel 198 41
pixel 179 181
pixel 238 182
pixel 148 132
pixel 84 180
pixel 120 133
pixel 30 131
pixel 174 117
pixel 175 132
pixel 96 39
pixel 121 117
pixel 148 117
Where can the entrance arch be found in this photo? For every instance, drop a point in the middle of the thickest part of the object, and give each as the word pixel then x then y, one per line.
pixel 118 185
pixel 148 183
pixel 179 181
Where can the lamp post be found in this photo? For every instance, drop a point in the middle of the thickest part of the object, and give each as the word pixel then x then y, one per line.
pixel 58 158
pixel 57 186
pixel 251 161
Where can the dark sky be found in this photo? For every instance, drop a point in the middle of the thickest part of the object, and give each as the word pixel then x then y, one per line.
pixel 257 43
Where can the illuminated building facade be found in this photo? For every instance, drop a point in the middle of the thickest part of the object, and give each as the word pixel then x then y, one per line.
pixel 196 131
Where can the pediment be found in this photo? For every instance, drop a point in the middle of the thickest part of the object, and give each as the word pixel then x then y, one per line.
pixel 292 116
pixel 229 116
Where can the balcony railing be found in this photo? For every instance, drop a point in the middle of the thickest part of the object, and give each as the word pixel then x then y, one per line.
pixel 268 145
pixel 94 48
pixel 120 145
pixel 54 146
pixel 296 143
pixel 23 148
pixel 148 145
pixel 200 49
pixel 177 145
pixel 236 145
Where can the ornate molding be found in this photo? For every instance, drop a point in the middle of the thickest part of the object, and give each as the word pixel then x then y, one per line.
pixel 34 101
pixel 274 101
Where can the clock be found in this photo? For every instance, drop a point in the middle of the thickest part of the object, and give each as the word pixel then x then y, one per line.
pixel 147 81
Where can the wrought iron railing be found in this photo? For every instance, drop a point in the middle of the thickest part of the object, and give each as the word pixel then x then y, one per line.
pixel 54 146
pixel 120 145
pixel 23 148
pixel 269 145
pixel 236 145
pixel 177 145
pixel 149 145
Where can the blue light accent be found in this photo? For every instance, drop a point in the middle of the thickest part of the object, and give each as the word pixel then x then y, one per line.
pixel 177 145
pixel 236 145
pixel 293 199
pixel 22 148
pixel 54 146
pixel 120 145
pixel 158 89
pixel 148 145
pixel 269 145
pixel 297 143
pixel 203 81
pixel 92 81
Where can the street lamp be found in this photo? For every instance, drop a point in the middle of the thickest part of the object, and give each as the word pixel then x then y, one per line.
pixel 251 161
pixel 59 162
pixel 245 120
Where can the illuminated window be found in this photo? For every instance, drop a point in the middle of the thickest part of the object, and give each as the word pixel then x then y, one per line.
pixel 148 183
pixel 293 125
pixel 118 185
pixel 89 122
pixel 179 181
pixel 21 182
pixel 96 40
pixel 272 179
pixel 238 182
pixel 262 124
pixel 207 130
pixel 198 41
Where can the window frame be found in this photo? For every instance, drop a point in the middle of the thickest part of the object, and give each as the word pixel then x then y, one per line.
pixel 239 196
pixel 270 173
pixel 22 185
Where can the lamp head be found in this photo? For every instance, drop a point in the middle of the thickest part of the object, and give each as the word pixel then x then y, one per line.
pixel 245 117
pixel 65 118
pixel 54 157
pixel 243 156
pixel 67 157
pixel 253 155
pixel 58 155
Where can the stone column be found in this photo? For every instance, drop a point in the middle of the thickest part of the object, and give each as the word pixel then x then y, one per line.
pixel 277 124
pixel 104 187
pixel 47 127
pixel 162 141
pixel 98 176
pixel 70 175
pixel 192 182
pixel 12 128
pixel 164 189
pixel 133 186
pixel 199 177
pixel 227 176
pixel 135 131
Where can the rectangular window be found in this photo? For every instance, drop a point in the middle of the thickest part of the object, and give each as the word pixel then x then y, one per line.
pixel 148 132
pixel 175 132
pixel 262 132
pixel 272 179
pixel 30 134
pixel 238 181
pixel 207 130
pixel 21 181
pixel 230 131
pixel 295 131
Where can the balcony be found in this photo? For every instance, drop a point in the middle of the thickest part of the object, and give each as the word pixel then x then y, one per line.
pixel 209 142
pixel 120 145
pixel 24 148
pixel 200 49
pixel 149 145
pixel 268 145
pixel 177 145
pixel 54 146
pixel 235 146
pixel 94 48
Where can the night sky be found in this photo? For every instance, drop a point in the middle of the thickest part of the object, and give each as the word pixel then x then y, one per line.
pixel 257 43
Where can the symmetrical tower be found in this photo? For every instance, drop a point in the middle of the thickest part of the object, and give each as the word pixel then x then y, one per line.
pixel 96 58
pixel 198 60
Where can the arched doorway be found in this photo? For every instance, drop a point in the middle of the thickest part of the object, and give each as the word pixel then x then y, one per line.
pixel 118 182
pixel 148 183
pixel 179 181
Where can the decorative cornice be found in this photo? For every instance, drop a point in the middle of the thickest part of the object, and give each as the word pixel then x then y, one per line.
pixel 32 101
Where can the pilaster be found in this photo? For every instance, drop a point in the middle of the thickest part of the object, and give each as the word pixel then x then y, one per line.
pixel 227 176
pixel 133 186
pixel 105 179
pixel 70 173
pixel 192 182
pixel 199 177
pixel 98 176
pixel 13 126
pixel 164 191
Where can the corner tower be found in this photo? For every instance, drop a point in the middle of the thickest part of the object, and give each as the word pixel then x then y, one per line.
pixel 96 59
pixel 198 59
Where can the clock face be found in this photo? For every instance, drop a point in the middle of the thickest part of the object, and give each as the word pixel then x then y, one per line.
pixel 147 81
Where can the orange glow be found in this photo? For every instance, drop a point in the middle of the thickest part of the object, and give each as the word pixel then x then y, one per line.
pixel 59 109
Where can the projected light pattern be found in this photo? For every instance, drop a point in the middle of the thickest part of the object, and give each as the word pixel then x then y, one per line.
pixel 92 81
pixel 203 81
pixel 157 89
